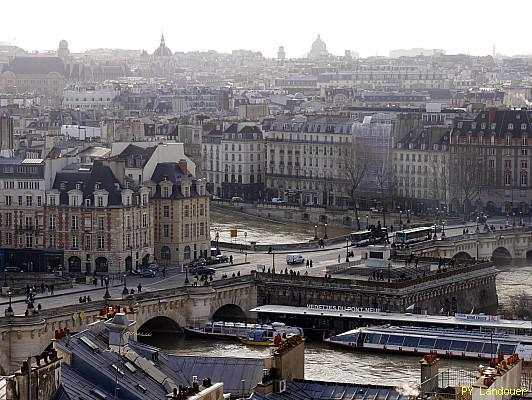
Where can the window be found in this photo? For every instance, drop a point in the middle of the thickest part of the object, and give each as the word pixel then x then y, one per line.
pixel 101 222
pixel 9 238
pixel 508 164
pixel 202 228
pixel 186 253
pixel 166 230
pixel 88 242
pixel 166 192
pixel 491 163
pixel 29 240
pixel 166 211
pixel 74 242
pixel 507 179
pixel 128 221
pixel 28 222
pixel 201 210
pixel 523 127
pixel 52 241
pixel 524 179
pixel 51 200
pixel 100 242
pixel 8 200
pixel 51 221
pixel 187 230
pixel 144 220
pixel 508 140
pixel 19 200
pixel 99 201
pixel 510 127
pixel 39 201
pixel 29 201
pixel 8 219
pixel 186 211
pixel 74 222
pixel 524 164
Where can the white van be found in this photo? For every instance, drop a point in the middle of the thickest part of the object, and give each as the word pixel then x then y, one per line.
pixel 294 259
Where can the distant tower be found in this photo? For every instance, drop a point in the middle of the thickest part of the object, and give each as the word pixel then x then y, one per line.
pixel 63 51
pixel 281 54
pixel 348 54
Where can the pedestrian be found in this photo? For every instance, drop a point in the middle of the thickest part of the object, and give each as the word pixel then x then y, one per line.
pixel 307 263
pixel 52 290
pixel 164 272
pixel 80 299
pixel 338 258
pixel 42 287
pixel 84 299
pixel 139 287
pixel 233 275
pixel 101 280
pixel 89 299
pixel 46 288
pixel 310 263
pixel 132 291
pixel 231 259
pixel 237 274
pixel 285 271
pixel 39 307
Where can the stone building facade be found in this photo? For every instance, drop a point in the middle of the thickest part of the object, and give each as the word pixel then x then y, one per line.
pixel 305 160
pixel 181 214
pixel 101 225
pixel 421 169
pixel 492 157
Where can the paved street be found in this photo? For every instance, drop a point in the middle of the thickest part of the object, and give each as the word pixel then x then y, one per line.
pixel 175 278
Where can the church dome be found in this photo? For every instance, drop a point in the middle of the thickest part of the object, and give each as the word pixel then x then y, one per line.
pixel 63 44
pixel 318 49
pixel 162 50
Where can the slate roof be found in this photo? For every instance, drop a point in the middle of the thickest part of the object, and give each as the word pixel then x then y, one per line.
pixel 428 136
pixel 172 172
pixel 36 66
pixel 520 119
pixel 301 389
pixel 88 176
pixel 92 370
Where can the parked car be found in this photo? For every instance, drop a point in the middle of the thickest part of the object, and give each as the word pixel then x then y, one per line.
pixel 154 267
pixel 222 259
pixel 236 199
pixel 216 198
pixel 135 272
pixel 197 263
pixel 13 269
pixel 295 259
pixel 147 273
pixel 202 270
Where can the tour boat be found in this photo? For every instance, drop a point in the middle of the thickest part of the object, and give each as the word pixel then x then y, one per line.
pixel 442 342
pixel 258 338
pixel 238 330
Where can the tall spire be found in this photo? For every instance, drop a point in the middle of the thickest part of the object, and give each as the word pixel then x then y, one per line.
pixel 162 39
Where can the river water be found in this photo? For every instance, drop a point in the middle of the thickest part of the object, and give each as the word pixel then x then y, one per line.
pixel 321 361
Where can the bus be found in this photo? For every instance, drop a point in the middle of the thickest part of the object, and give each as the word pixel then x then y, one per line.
pixel 367 237
pixel 413 235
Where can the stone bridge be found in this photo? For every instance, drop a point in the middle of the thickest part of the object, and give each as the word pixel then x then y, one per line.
pixel 168 309
pixel 508 243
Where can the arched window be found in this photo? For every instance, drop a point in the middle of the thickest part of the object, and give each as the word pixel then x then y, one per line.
pixel 187 253
pixel 166 253
pixel 508 179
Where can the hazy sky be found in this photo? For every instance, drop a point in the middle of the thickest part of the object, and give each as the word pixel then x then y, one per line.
pixel 367 26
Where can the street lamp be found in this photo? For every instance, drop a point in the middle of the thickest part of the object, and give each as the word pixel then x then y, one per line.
pixel 443 230
pixel 273 262
pixel 107 296
pixel 217 237
pixel 477 249
pixel 125 292
pixel 408 216
pixel 401 219
pixel 5 277
pixel 513 219
pixel 477 225
pixel 347 249
pixel 315 232
pixel 367 221
pixel 325 236
pixel 9 312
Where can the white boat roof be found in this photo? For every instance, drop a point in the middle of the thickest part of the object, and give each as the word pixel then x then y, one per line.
pixel 384 316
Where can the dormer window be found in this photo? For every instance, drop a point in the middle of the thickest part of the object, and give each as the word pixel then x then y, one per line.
pixel 523 127
pixel 62 186
pixel 99 201
pixel 508 140
pixel 87 202
pixel 483 125
pixel 510 127
pixel 524 141
pixel 97 186
pixel 493 125
pixel 166 191
pixel 460 124
pixel 473 125
pixel 78 186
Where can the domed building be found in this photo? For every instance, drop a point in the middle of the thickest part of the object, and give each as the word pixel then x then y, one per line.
pixel 162 50
pixel 162 61
pixel 318 49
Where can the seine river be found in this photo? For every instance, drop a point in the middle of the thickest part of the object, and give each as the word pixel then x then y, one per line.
pixel 321 361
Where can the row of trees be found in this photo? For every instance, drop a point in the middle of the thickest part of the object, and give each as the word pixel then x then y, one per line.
pixel 460 179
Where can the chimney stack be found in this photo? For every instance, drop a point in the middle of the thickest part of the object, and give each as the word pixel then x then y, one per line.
pixel 183 167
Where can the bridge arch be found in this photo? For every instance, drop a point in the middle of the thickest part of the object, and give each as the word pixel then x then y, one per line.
pixel 230 313
pixel 501 253
pixel 160 324
pixel 463 256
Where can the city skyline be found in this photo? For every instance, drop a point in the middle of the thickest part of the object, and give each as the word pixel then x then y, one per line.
pixel 368 29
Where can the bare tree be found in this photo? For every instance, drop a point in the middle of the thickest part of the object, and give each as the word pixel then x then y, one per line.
pixel 439 181
pixel 355 167
pixel 466 176
pixel 383 179
pixel 520 306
